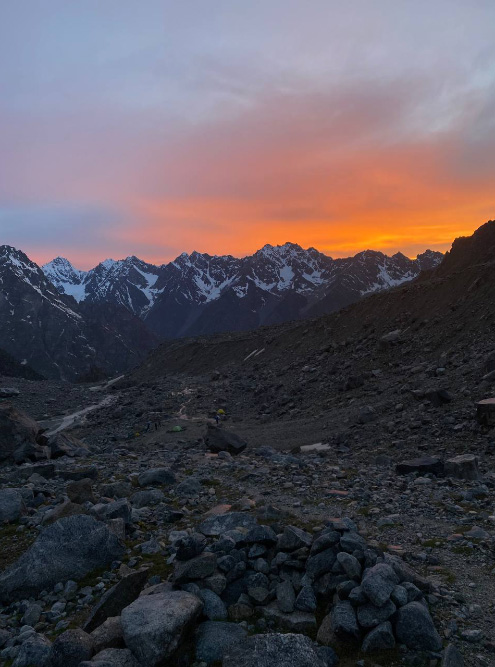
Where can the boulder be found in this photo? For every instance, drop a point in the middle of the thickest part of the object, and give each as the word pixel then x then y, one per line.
pixel 273 650
pixel 108 635
pixel 350 565
pixel 293 538
pixel 154 625
pixel 380 638
pixel 116 490
pixel 369 616
pixel 415 628
pixel 9 392
pixel 464 466
pixel 62 510
pixel 485 412
pixel 159 476
pixel 18 432
pixel 423 465
pixel 34 651
pixel 64 444
pixel 438 397
pixel 190 546
pixel 117 598
pixel 81 491
pixel 219 524
pixel 218 439
pixel 452 657
pixel 199 567
pixel 213 607
pixel 142 499
pixel 378 583
pixel 117 509
pixel 70 648
pixel 214 638
pixel 68 549
pixel 344 622
pixel 112 657
pixel 11 505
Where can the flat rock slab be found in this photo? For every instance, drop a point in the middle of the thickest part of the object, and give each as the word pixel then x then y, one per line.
pixel 423 465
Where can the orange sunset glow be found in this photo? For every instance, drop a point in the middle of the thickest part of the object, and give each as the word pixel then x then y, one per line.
pixel 151 134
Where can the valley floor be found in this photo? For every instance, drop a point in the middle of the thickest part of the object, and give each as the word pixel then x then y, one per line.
pixel 443 527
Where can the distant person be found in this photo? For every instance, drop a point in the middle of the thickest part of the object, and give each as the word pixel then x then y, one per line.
pixel 217 419
pixel 148 426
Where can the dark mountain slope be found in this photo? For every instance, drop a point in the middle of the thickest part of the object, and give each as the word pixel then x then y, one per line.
pixel 48 331
pixel 452 305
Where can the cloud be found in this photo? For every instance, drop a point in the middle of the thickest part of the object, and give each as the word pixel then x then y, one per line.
pixel 221 128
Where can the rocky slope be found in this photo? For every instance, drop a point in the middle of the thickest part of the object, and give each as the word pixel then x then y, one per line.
pixel 54 335
pixel 348 512
pixel 201 294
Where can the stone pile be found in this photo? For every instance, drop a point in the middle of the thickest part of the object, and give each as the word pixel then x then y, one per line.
pixel 233 575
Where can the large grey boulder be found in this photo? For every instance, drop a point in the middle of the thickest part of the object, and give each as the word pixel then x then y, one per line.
pixel 17 431
pixel 219 524
pixel 11 505
pixel 415 628
pixel 273 650
pixel 160 476
pixel 34 651
pixel 220 440
pixel 68 549
pixel 70 648
pixel 213 638
pixel 464 466
pixel 154 625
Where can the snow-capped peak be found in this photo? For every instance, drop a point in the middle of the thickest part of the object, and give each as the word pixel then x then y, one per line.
pixel 66 278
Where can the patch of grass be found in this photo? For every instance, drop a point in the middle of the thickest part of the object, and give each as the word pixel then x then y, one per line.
pixel 433 542
pixel 13 544
pixel 91 578
pixel 463 551
pixel 463 529
pixel 157 565
pixel 448 575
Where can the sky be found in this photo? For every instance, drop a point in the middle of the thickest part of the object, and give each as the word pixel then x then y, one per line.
pixel 149 128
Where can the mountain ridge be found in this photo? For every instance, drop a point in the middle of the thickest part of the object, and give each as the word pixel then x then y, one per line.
pixel 199 293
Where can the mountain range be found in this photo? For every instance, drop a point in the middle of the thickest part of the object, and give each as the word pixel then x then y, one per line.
pixel 65 323
pixel 201 294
